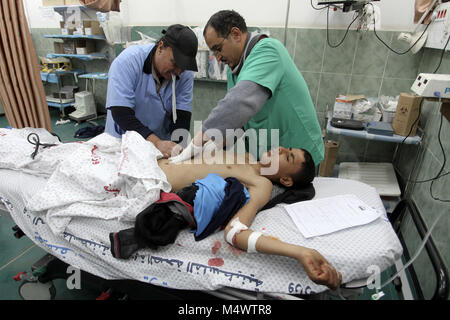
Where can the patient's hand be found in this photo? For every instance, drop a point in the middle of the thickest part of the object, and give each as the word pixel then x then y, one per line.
pixel 319 269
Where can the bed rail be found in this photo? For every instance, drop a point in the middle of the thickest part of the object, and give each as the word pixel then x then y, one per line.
pixel 396 217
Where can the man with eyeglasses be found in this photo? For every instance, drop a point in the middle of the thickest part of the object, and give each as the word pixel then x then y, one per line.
pixel 150 89
pixel 265 90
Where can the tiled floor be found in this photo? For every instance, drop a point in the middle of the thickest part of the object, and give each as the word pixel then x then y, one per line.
pixel 17 255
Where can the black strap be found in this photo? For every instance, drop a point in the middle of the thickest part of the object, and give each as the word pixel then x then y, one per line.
pixel 36 141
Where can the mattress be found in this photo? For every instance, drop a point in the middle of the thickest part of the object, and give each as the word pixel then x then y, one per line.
pixel 212 263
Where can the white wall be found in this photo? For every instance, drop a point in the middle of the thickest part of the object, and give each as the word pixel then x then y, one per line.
pixel 395 14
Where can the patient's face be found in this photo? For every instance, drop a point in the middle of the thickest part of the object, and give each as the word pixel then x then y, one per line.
pixel 289 160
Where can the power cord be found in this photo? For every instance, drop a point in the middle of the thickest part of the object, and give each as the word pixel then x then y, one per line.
pixel 387 46
pixel 346 32
pixel 442 55
pixel 315 8
pixel 442 168
pixel 440 174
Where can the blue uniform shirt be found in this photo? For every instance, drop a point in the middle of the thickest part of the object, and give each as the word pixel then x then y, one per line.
pixel 129 86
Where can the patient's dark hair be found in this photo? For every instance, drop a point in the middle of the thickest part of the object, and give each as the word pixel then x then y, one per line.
pixel 223 21
pixel 306 173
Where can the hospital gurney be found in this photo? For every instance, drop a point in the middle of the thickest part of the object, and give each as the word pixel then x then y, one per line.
pixel 67 173
pixel 211 265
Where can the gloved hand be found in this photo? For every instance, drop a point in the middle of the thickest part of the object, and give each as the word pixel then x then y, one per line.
pixel 209 147
pixel 190 151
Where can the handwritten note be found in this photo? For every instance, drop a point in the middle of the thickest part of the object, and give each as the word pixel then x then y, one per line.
pixel 328 215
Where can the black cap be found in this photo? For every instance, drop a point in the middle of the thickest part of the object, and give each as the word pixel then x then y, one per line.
pixel 184 45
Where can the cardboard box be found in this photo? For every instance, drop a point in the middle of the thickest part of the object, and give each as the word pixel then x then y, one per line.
pixel 92 27
pixel 79 46
pixel 64 30
pixel 343 106
pixel 72 2
pixel 69 47
pixel 78 31
pixel 58 47
pixel 84 46
pixel 52 3
pixel 407 114
pixel 326 167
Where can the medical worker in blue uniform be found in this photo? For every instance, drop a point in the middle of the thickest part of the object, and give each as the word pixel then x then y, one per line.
pixel 150 89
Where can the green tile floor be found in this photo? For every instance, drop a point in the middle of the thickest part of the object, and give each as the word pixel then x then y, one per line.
pixel 17 255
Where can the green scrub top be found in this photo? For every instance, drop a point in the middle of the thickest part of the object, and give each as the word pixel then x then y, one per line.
pixel 290 108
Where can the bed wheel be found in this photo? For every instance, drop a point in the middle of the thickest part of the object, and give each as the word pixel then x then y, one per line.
pixel 35 290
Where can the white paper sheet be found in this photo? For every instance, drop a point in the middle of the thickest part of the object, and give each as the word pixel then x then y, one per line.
pixel 328 215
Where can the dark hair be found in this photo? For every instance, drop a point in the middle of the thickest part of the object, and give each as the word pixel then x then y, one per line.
pixel 306 173
pixel 223 21
pixel 164 42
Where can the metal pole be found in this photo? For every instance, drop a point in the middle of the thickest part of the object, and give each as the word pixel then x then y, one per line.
pixel 286 25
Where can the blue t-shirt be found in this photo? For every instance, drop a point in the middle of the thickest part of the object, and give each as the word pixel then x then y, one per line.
pixel 208 199
pixel 129 86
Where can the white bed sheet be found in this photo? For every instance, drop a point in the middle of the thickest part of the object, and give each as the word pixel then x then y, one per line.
pixel 211 263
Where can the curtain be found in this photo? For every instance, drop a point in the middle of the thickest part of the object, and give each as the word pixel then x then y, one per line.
pixel 102 5
pixel 21 90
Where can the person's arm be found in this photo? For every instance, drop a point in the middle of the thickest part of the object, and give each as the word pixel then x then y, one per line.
pixel 126 119
pixel 238 106
pixel 316 266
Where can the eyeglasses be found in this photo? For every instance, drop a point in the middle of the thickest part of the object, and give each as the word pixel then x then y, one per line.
pixel 218 48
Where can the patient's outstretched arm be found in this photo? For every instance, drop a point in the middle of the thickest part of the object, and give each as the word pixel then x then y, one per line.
pixel 238 234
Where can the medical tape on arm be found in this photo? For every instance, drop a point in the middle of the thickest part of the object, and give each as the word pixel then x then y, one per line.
pixel 236 227
pixel 251 244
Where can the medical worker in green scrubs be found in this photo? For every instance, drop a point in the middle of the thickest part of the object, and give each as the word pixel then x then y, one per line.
pixel 265 90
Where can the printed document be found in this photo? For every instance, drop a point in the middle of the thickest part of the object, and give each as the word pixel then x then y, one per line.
pixel 328 215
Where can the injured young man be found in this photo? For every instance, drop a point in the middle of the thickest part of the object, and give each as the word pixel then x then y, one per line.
pixel 285 167
pixel 122 179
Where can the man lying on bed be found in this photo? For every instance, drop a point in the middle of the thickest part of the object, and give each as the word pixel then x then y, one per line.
pixel 295 167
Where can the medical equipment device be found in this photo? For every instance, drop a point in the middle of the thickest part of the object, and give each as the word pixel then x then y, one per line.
pixel 439 30
pixel 348 5
pixel 432 85
pixel 418 38
pixel 85 106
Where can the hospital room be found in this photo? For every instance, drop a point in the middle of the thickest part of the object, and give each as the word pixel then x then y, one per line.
pixel 150 151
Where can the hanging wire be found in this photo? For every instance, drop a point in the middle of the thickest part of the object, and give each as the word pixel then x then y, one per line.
pixel 346 32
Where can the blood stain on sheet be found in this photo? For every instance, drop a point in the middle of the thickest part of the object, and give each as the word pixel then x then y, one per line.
pixel 216 247
pixel 215 262
pixel 235 250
